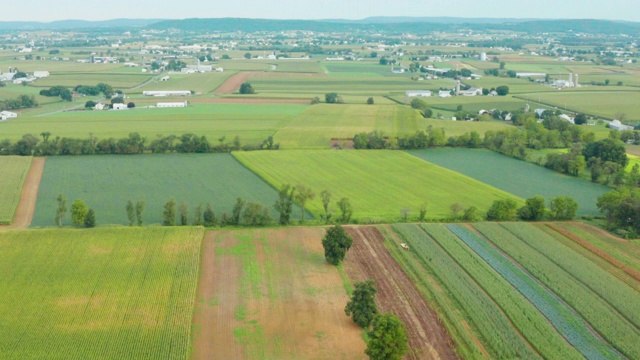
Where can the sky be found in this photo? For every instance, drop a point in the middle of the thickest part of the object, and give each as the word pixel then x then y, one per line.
pixel 45 11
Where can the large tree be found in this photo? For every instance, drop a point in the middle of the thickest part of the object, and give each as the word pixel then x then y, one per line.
pixel 502 210
pixel 388 338
pixel 534 209
pixel 209 217
pixel 284 204
pixel 336 242
pixel 90 219
pixel 78 212
pixel 246 88
pixel 303 194
pixel 237 211
pixel 169 214
pixel 362 306
pixel 346 210
pixel 607 150
pixel 563 208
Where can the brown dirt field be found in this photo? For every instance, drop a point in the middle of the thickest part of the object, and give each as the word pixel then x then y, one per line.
pixel 369 259
pixel 233 83
pixel 27 206
pixel 270 294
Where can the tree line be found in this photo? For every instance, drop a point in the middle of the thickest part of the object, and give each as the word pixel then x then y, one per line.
pixel 21 102
pixel 45 145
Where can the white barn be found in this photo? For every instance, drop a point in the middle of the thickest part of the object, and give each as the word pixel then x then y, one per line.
pixel 167 93
pixel 6 115
pixel 418 93
pixel 172 104
pixel 40 74
pixel 119 106
pixel 617 125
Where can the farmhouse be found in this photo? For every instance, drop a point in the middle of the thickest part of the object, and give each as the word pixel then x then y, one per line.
pixel 617 125
pixel 167 93
pixel 471 92
pixel 418 93
pixel 119 106
pixel 172 104
pixel 6 115
pixel 40 74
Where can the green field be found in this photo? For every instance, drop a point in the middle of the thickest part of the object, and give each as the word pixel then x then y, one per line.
pixel 12 176
pixel 520 178
pixel 106 183
pixel 117 80
pixel 98 294
pixel 379 184
pixel 201 83
pixel 253 123
pixel 597 103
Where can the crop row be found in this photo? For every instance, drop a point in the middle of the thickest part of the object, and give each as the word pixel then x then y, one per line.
pixel 575 329
pixel 610 306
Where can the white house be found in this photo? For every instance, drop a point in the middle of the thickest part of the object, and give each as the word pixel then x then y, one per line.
pixel 219 69
pixel 40 74
pixel 165 78
pixel 99 106
pixel 6 115
pixel 119 106
pixel 167 93
pixel 471 92
pixel 172 104
pixel 617 125
pixel 418 93
pixel 444 93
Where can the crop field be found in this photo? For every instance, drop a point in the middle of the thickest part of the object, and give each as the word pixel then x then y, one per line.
pixel 12 177
pixel 269 294
pixel 155 179
pixel 298 66
pixel 516 86
pixel 475 103
pixel 370 68
pixel 513 290
pixel 379 184
pixel 369 260
pixel 253 123
pixel 597 103
pixel 108 293
pixel 517 177
pixel 203 83
pixel 633 150
pixel 71 79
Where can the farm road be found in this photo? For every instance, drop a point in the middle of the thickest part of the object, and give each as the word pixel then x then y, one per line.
pixel 27 205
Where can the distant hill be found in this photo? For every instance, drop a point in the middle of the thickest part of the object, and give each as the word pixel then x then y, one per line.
pixel 76 24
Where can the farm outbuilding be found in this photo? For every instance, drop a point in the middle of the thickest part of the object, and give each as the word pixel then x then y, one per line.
pixel 617 125
pixel 418 93
pixel 119 106
pixel 40 74
pixel 6 115
pixel 167 93
pixel 172 104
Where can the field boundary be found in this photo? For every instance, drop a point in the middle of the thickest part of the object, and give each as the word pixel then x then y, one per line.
pixel 28 197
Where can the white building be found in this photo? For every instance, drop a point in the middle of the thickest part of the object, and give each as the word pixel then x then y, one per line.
pixel 172 104
pixel 444 93
pixel 6 115
pixel 200 68
pixel 617 125
pixel 119 106
pixel 418 93
pixel 99 106
pixel 483 56
pixel 219 69
pixel 471 92
pixel 40 74
pixel 165 78
pixel 167 93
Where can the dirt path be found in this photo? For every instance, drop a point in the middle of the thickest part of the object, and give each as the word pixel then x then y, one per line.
pixel 369 259
pixel 27 205
pixel 233 83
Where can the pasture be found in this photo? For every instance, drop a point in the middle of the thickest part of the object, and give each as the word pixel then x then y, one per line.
pixel 103 293
pixel 269 294
pixel 106 183
pixel 253 123
pixel 379 184
pixel 12 177
pixel 598 102
pixel 517 177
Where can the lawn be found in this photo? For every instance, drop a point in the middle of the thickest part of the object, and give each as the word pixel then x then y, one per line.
pixel 379 184
pixel 106 183
pixel 269 294
pixel 109 293
pixel 517 177
pixel 12 177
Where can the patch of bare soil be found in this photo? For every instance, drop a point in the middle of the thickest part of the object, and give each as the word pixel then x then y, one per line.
pixel 29 196
pixel 369 259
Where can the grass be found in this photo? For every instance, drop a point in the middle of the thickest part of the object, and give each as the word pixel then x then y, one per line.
pixel 117 80
pixel 379 184
pixel 102 293
pixel 201 83
pixel 253 123
pixel 520 178
pixel 114 180
pixel 12 177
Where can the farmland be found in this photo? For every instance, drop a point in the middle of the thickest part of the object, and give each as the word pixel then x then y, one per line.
pixel 510 175
pixel 376 182
pixel 154 179
pixel 626 102
pixel 269 294
pixel 12 177
pixel 101 293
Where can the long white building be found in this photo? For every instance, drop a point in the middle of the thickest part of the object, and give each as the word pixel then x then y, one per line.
pixel 172 104
pixel 167 93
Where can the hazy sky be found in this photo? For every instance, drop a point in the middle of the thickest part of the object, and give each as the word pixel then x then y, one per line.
pixel 49 10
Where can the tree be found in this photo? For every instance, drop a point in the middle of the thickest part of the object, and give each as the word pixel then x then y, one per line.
pixel 580 119
pixel 90 219
pixel 346 210
pixel 131 212
pixel 139 211
pixel 303 195
pixel 533 210
pixel 255 214
pixel 607 150
pixel 90 104
pixel 61 210
pixel 284 204
pixel 197 215
pixel 471 214
pixel 422 211
pixel 388 338
pixel 78 212
pixel 455 210
pixel 362 306
pixel 331 98
pixel 502 90
pixel 336 242
pixel 66 95
pixel 370 101
pixel 237 211
pixel 326 199
pixel 209 217
pixel 405 213
pixel 131 105
pixel 563 208
pixel 247 55
pixel 418 104
pixel 169 214
pixel 246 88
pixel 183 211
pixel 502 210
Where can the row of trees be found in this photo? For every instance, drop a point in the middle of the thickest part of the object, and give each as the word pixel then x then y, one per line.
pixel 58 91
pixel 243 213
pixel 21 102
pixel 30 145
pixel 81 214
